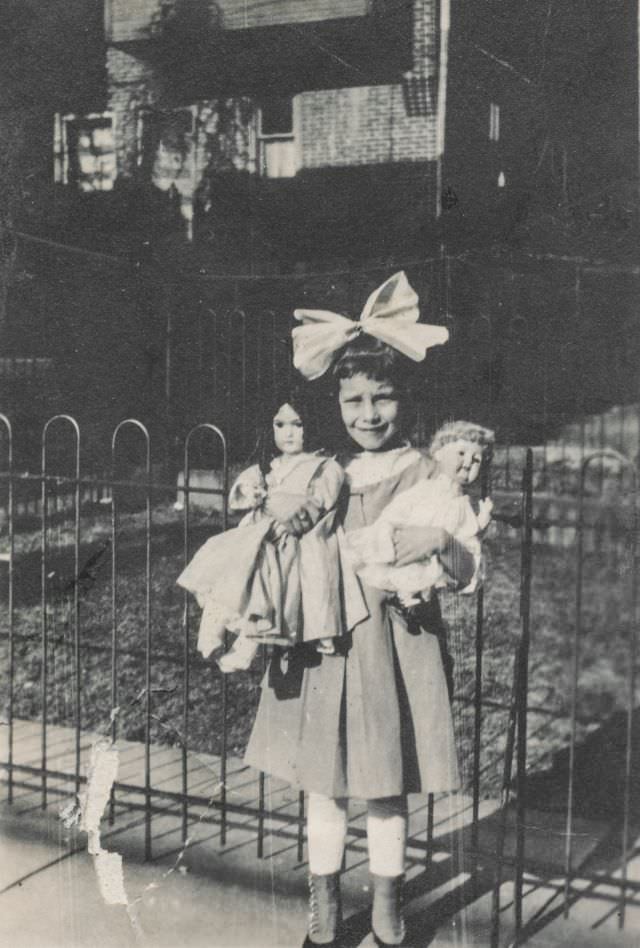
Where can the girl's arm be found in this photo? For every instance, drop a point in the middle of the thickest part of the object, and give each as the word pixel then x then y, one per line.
pixel 417 543
pixel 299 515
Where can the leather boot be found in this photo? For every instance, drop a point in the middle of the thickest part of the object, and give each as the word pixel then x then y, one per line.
pixel 387 920
pixel 325 910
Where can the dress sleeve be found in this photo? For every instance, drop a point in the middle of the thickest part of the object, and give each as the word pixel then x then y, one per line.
pixel 248 490
pixel 326 484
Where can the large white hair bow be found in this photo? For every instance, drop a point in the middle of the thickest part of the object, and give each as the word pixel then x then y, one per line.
pixel 390 314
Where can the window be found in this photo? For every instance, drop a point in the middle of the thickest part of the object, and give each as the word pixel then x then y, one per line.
pixel 494 122
pixel 84 151
pixel 277 147
pixel 165 145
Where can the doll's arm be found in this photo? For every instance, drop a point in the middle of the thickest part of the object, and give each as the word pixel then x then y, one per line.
pixel 248 491
pixel 485 510
pixel 326 484
pixel 299 515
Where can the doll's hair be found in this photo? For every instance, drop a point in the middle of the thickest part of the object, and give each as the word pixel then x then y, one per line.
pixel 265 450
pixel 462 431
pixel 371 357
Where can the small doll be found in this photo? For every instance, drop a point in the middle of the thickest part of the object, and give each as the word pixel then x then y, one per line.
pixel 458 449
pixel 258 580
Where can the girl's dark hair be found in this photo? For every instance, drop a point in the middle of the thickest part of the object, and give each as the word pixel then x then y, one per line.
pixel 265 450
pixel 369 356
pixel 373 358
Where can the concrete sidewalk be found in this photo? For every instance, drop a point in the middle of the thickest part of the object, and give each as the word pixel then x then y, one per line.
pixel 225 897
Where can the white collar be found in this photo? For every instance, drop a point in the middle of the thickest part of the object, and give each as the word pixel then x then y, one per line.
pixel 371 467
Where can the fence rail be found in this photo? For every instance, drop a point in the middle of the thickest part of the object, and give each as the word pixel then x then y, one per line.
pixel 131 442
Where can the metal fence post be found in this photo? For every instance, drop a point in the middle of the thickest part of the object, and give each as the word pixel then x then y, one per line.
pixel 4 421
pixel 134 423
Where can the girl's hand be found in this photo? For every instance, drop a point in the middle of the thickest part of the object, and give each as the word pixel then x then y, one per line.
pixel 295 515
pixel 417 543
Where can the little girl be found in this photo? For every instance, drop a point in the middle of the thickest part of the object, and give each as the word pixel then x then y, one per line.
pixel 372 721
pixel 262 572
pixel 458 449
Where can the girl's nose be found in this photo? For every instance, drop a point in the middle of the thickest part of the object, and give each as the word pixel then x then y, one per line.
pixel 369 410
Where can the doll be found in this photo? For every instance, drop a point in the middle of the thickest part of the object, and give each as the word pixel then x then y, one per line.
pixel 259 580
pixel 458 450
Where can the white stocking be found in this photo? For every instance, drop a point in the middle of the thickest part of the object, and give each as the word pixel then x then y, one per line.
pixel 387 835
pixel 326 833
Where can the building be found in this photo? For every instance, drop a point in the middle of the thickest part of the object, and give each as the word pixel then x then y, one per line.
pixel 274 135
pixel 286 131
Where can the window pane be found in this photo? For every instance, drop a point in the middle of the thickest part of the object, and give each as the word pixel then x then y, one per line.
pixel 279 159
pixel 277 116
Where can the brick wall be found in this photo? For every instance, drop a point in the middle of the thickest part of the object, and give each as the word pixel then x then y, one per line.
pixel 365 125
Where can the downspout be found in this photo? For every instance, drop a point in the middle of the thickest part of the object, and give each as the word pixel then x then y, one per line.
pixel 441 113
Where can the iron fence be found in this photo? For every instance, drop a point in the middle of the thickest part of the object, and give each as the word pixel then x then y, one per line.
pixel 538 350
pixel 136 638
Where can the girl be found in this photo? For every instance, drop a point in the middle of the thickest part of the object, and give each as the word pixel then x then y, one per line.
pixel 260 570
pixel 458 450
pixel 371 721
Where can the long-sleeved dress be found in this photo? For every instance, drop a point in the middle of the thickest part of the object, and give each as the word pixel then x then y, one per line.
pixel 373 720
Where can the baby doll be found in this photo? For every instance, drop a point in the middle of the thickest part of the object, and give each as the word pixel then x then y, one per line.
pixel 458 450
pixel 259 581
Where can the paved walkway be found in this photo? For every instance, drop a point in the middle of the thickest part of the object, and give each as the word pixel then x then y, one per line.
pixel 226 897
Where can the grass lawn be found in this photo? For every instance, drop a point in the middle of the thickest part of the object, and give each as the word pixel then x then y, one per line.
pixel 604 665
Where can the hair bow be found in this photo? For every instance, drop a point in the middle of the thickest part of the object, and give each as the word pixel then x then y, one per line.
pixel 390 314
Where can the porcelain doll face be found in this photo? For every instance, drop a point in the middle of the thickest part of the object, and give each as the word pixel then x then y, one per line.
pixel 460 460
pixel 370 411
pixel 288 430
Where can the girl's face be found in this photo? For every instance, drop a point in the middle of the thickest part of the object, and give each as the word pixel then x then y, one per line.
pixel 370 411
pixel 288 431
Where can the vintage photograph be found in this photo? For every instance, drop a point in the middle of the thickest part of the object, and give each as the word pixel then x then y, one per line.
pixel 319 469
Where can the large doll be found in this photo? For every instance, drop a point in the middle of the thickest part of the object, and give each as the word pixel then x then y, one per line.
pixel 458 450
pixel 372 721
pixel 261 580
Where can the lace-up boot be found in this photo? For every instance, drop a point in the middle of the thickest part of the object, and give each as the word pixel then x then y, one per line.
pixel 325 910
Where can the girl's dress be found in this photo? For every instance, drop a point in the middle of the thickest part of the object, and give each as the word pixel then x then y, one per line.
pixel 436 502
pixel 258 571
pixel 373 720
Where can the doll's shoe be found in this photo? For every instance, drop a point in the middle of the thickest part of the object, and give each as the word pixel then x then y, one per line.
pixel 387 920
pixel 325 911
pixel 233 663
pixel 239 658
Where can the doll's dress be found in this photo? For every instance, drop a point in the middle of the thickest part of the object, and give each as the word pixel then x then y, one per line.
pixel 294 584
pixel 437 502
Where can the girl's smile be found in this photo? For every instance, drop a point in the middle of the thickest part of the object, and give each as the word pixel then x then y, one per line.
pixel 370 411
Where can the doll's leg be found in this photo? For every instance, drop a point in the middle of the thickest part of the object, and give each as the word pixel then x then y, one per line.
pixel 327 834
pixel 387 839
pixel 213 623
